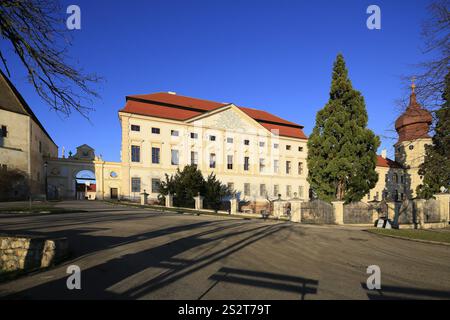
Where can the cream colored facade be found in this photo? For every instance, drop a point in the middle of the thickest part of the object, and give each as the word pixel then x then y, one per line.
pixel 272 169
pixel 411 154
pixel 390 185
pixel 24 144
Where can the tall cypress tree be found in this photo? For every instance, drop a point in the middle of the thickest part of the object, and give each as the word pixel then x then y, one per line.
pixel 341 149
pixel 436 167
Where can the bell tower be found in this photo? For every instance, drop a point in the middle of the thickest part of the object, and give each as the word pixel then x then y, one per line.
pixel 412 127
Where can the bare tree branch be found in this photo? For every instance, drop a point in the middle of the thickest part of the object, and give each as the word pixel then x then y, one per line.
pixel 36 32
pixel 430 77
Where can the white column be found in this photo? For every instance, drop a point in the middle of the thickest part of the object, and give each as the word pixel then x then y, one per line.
pixel 338 208
pixel 169 201
pixel 198 202
pixel 278 206
pixel 444 205
pixel 144 196
pixel 234 206
pixel 296 210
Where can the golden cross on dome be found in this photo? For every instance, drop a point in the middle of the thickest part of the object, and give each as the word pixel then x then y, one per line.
pixel 413 85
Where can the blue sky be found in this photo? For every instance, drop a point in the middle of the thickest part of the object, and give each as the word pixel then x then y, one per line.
pixel 272 55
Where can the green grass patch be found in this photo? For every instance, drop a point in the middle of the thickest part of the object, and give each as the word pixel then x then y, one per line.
pixel 428 235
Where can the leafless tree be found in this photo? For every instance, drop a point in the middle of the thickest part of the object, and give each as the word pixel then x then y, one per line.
pixel 37 33
pixel 430 77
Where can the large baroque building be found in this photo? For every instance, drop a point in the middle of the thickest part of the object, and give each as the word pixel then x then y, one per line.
pixel 24 142
pixel 254 152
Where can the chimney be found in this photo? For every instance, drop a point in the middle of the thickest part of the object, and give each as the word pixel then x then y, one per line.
pixel 172 92
pixel 384 153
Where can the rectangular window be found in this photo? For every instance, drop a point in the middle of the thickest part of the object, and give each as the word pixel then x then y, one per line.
pixel 212 138
pixel 230 186
pixel 247 142
pixel 4 168
pixel 276 166
pixel 288 191
pixel 174 133
pixel 40 146
pixel 135 127
pixel 135 184
pixel 300 168
pixel 262 190
pixel 288 147
pixel 230 162
pixel 156 155
pixel 247 189
pixel 275 145
pixel 194 135
pixel 300 192
pixel 276 190
pixel 246 163
pixel 156 130
pixel 262 144
pixel 262 165
pixel 194 158
pixel 135 154
pixel 155 185
pixel 229 140
pixel 4 132
pixel 300 149
pixel 175 157
pixel 288 167
pixel 212 160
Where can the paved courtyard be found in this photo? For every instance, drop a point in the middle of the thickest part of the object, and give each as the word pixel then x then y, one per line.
pixel 132 253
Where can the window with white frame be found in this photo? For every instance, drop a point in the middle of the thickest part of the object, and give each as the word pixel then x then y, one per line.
pixel 135 154
pixel 175 160
pixel 230 162
pixel 288 167
pixel 212 160
pixel 194 158
pixel 247 189
pixel 262 190
pixel 276 190
pixel 135 184
pixel 288 191
pixel 262 165
pixel 300 168
pixel 155 185
pixel 276 166
pixel 156 155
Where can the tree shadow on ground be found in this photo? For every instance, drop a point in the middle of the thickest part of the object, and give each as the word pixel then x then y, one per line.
pixel 135 272
pixel 268 280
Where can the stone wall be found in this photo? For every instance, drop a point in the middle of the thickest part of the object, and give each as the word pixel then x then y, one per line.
pixel 23 253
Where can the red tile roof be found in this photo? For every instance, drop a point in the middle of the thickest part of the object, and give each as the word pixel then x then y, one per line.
pixel 176 107
pixel 386 162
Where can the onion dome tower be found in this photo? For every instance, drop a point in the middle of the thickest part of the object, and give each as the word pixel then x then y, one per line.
pixel 413 128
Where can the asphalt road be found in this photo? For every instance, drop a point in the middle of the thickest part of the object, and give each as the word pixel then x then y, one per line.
pixel 130 253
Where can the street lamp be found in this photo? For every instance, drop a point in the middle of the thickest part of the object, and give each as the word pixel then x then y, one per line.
pixel 46 180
